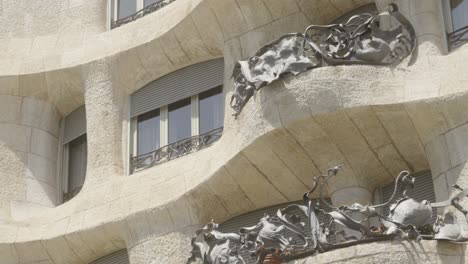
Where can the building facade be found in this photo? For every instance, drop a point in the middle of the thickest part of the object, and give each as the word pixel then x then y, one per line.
pixel 118 140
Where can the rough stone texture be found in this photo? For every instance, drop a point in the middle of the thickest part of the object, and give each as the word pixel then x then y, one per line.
pixel 375 121
pixel 393 252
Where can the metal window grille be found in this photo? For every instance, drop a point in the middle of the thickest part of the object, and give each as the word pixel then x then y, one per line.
pixel 118 257
pixel 423 190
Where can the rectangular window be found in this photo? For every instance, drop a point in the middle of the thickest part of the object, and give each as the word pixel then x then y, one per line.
pixel 150 2
pixel 148 132
pixel 459 14
pixel 77 161
pixel 126 8
pixel 211 110
pixel 456 22
pixel 179 120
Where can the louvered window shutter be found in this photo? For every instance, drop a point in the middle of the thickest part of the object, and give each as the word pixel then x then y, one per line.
pixel 118 257
pixel 423 190
pixel 75 125
pixel 178 85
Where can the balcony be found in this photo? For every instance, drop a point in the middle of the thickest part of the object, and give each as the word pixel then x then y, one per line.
pixel 175 150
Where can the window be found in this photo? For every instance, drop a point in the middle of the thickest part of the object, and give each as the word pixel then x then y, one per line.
pixel 124 11
pixel 456 21
pixel 126 8
pixel 149 2
pixel 74 153
pixel 77 161
pixel 148 132
pixel 178 129
pixel 211 109
pixel 180 120
pixel 423 190
pixel 177 114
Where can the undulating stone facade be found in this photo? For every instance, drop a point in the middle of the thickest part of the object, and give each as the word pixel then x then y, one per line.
pixel 374 120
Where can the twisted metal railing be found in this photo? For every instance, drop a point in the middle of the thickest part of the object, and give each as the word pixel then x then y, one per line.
pixel 458 37
pixel 176 150
pixel 141 13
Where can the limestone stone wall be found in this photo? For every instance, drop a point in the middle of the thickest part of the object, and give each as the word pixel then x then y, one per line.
pixel 394 252
pixel 373 120
pixel 43 21
pixel 29 131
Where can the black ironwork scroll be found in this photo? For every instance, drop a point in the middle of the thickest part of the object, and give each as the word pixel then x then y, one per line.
pixel 360 40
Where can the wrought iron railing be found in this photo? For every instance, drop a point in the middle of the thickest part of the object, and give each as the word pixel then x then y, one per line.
pixel 141 13
pixel 176 150
pixel 69 195
pixel 458 37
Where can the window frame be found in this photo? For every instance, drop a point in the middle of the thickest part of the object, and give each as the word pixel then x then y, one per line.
pixel 164 125
pixel 448 24
pixel 72 127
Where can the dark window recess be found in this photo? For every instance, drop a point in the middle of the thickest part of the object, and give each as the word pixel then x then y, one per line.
pixel 148 132
pixel 77 161
pixel 180 120
pixel 211 110
pixel 423 190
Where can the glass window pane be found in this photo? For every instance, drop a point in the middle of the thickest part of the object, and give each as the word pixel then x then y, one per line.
pixel 211 109
pixel 180 126
pixel 148 131
pixel 77 159
pixel 149 2
pixel 126 8
pixel 459 13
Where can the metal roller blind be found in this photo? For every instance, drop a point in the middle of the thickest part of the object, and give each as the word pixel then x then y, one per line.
pixel 178 85
pixel 250 219
pixel 75 125
pixel 369 8
pixel 423 190
pixel 118 257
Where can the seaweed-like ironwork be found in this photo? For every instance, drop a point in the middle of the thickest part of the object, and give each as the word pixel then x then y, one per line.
pixel 267 240
pixel 176 149
pixel 360 40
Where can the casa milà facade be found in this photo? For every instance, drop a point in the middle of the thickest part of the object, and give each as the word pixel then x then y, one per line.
pixel 176 131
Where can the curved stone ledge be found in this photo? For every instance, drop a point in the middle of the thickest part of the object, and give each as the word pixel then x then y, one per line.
pixel 183 33
pixel 394 252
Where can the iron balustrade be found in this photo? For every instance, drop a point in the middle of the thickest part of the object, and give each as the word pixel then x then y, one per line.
pixel 141 13
pixel 175 150
pixel 458 37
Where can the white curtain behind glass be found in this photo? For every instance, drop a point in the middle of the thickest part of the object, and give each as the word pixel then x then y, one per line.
pixel 126 8
pixel 180 120
pixel 148 132
pixel 459 13
pixel 78 154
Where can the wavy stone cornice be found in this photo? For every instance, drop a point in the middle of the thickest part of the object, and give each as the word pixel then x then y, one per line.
pixel 183 33
pixel 420 103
